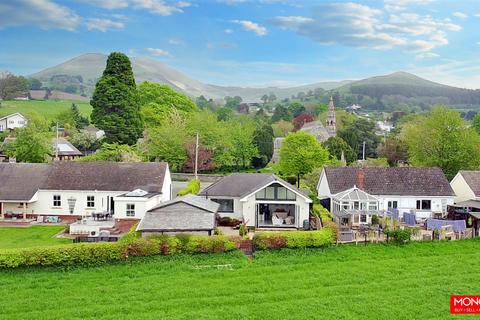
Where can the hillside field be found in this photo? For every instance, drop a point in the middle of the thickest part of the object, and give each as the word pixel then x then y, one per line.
pixel 48 108
pixel 346 282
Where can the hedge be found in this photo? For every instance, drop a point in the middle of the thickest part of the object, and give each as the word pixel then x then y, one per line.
pixel 99 253
pixel 192 187
pixel 294 239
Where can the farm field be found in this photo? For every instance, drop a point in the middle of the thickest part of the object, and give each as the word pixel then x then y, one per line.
pixel 346 282
pixel 48 108
pixel 34 236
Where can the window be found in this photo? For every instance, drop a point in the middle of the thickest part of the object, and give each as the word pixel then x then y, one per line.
pixel 130 210
pixel 372 206
pixel 90 202
pixel 393 204
pixel 424 204
pixel 226 205
pixel 57 200
pixel 275 192
pixel 363 218
pixel 356 205
pixel 345 206
pixel 270 193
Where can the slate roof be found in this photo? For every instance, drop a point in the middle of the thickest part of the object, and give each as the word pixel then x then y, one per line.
pixel 242 184
pixel 317 129
pixel 107 176
pixel 188 213
pixel 472 178
pixel 407 181
pixel 20 181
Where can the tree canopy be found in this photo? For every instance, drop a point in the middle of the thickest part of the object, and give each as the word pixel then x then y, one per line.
pixel 361 130
pixel 300 154
pixel 116 108
pixel 442 139
pixel 336 145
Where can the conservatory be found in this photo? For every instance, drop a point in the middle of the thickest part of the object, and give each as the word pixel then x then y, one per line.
pixel 354 207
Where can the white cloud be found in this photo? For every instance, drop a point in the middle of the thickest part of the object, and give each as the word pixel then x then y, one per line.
pixel 227 31
pixel 157 52
pixel 160 7
pixel 175 42
pixel 251 26
pixel 400 5
pixel 460 15
pixel 426 55
pixel 357 25
pixel 103 25
pixel 107 4
pixel 40 13
pixel 477 15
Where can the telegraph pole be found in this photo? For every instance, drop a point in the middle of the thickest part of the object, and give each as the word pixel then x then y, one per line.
pixel 363 152
pixel 56 144
pixel 196 157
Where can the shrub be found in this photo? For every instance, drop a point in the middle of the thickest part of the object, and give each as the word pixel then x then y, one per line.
pixel 333 227
pixel 217 232
pixel 228 222
pixel 399 236
pixel 375 220
pixel 242 231
pixel 294 239
pixel 192 187
pixel 201 244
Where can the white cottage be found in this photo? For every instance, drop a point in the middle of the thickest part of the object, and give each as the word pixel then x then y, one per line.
pixel 261 200
pixel 353 195
pixel 74 189
pixel 466 185
pixel 12 121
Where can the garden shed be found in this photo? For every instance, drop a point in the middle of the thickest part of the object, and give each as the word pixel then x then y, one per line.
pixel 188 214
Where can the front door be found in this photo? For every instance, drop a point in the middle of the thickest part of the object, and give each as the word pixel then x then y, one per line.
pixel 112 206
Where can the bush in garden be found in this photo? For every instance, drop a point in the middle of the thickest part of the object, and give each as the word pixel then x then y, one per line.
pixel 228 222
pixel 217 232
pixel 193 187
pixel 294 239
pixel 375 220
pixel 399 236
pixel 242 230
pixel 333 227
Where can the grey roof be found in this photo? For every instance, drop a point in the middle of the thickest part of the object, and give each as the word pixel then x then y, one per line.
pixel 391 181
pixel 468 204
pixel 242 184
pixel 107 176
pixel 316 129
pixel 65 148
pixel 188 213
pixel 472 178
pixel 20 181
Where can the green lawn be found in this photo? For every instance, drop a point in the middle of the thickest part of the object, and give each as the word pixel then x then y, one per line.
pixel 34 236
pixel 49 108
pixel 347 282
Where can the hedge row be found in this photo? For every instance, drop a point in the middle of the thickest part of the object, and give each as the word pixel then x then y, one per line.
pixel 193 187
pixel 294 239
pixel 99 253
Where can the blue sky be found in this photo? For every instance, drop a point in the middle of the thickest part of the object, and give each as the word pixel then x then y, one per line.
pixel 253 42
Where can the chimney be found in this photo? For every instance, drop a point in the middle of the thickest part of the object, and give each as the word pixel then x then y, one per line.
pixel 361 179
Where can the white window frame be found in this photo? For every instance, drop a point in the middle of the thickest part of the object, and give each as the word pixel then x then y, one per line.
pixel 57 200
pixel 130 210
pixel 90 201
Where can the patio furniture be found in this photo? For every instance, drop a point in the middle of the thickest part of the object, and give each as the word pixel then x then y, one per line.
pixel 289 220
pixel 276 221
pixel 281 214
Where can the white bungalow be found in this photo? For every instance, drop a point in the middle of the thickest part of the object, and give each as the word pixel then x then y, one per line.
pixel 353 195
pixel 261 200
pixel 12 121
pixel 69 190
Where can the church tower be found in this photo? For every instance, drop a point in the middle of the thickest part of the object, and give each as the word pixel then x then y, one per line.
pixel 331 119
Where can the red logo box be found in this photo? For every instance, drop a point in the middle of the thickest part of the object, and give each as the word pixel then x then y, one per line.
pixel 465 304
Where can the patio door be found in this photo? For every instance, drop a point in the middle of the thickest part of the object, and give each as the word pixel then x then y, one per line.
pixel 257 210
pixel 297 216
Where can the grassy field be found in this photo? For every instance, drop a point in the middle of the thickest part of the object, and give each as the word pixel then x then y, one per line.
pixel 49 108
pixel 347 282
pixel 35 236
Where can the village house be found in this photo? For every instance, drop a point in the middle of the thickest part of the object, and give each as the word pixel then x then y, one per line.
pixel 466 185
pixel 12 121
pixel 80 189
pixel 188 214
pixel 260 200
pixel 354 195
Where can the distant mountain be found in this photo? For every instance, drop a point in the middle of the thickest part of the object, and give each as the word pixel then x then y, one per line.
pixel 405 88
pixel 89 67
